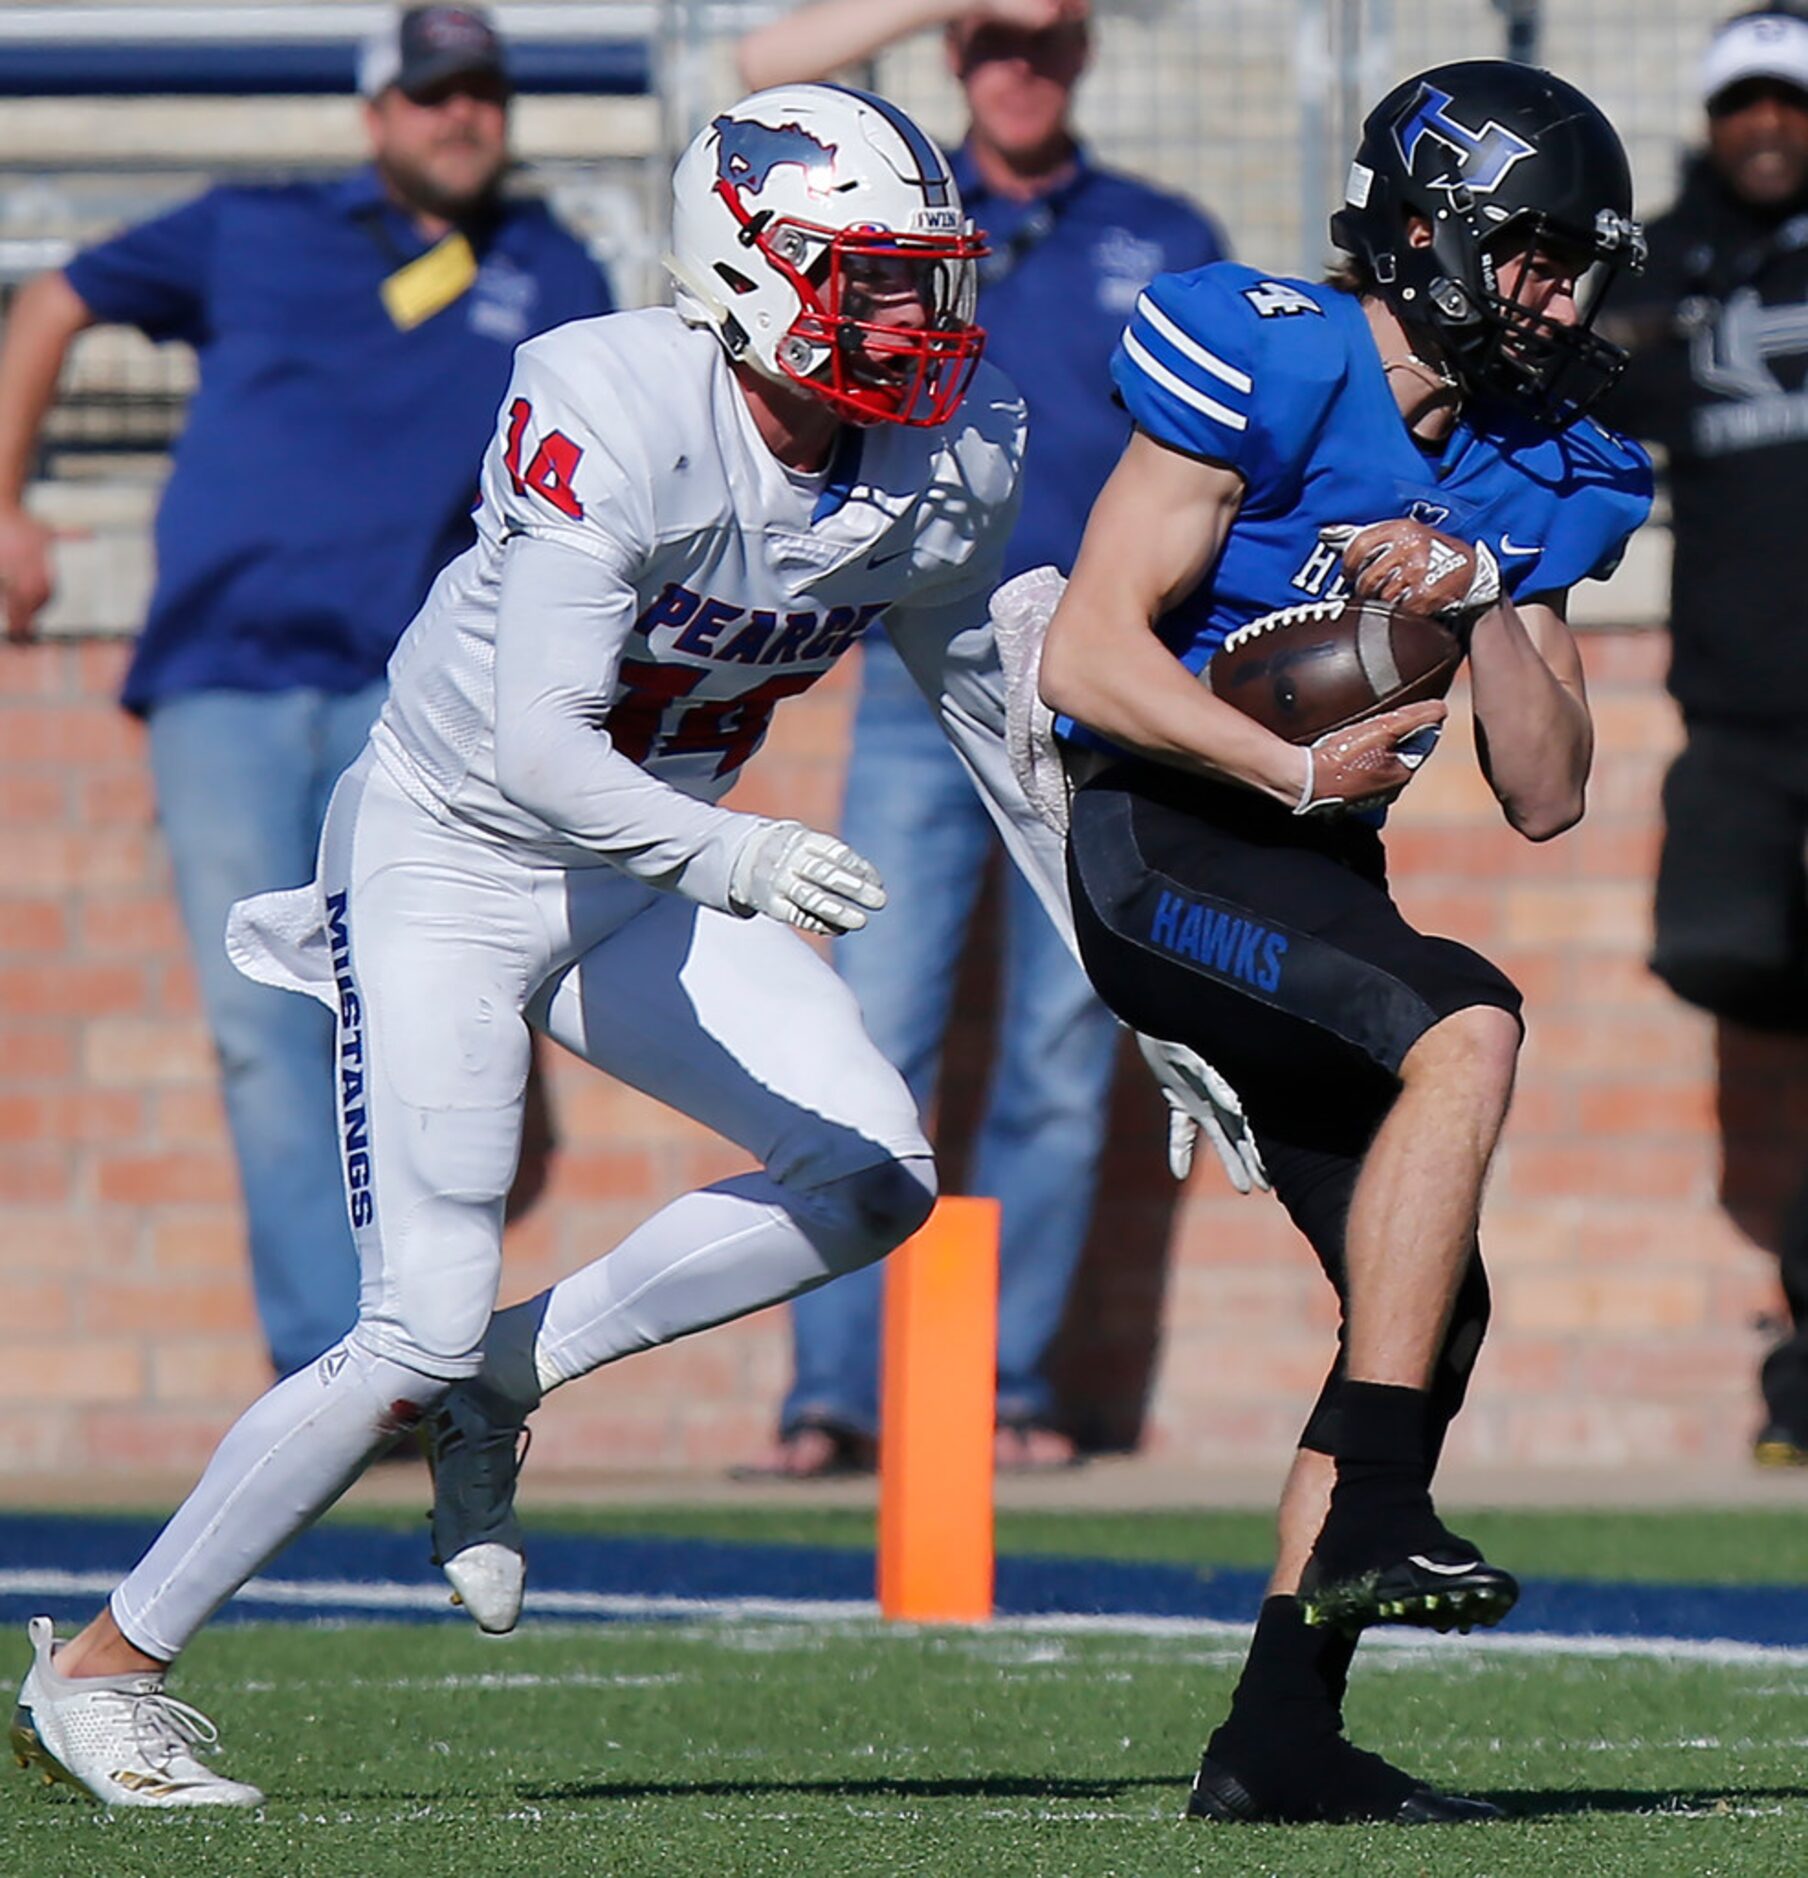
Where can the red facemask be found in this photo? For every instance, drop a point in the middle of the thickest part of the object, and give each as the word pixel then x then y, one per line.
pixel 893 312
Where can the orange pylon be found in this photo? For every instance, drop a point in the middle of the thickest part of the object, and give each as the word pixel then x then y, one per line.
pixel 935 1450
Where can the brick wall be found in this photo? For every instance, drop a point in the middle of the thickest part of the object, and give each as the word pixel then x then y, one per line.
pixel 1626 1295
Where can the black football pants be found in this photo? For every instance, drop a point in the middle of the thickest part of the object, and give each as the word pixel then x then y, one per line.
pixel 1269 943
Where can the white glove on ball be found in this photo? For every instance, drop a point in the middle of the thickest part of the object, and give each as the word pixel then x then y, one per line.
pixel 804 878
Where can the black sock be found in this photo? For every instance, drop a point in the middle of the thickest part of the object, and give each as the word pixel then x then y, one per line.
pixel 1381 1502
pixel 1290 1693
pixel 1336 1652
pixel 1283 1736
pixel 1381 1425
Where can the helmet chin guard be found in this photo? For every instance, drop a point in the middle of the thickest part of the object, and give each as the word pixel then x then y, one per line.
pixel 1496 160
pixel 819 233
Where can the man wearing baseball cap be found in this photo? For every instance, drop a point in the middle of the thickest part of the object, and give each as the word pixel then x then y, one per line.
pixel 354 339
pixel 1719 377
pixel 426 48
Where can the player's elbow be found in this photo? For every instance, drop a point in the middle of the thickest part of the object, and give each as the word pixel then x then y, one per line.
pixel 523 775
pixel 1547 818
pixel 1060 681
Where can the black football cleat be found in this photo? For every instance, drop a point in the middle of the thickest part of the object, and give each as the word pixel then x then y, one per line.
pixel 1778 1445
pixel 1450 1587
pixel 1355 1788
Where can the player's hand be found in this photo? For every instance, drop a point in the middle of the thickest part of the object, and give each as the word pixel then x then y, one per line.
pixel 1371 761
pixel 1405 563
pixel 1199 1102
pixel 804 878
pixel 25 578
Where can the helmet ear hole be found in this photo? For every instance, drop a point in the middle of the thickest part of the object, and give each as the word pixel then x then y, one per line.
pixel 733 279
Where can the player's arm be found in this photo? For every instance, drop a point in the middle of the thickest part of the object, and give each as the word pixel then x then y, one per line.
pixel 947 647
pixel 951 652
pixel 813 41
pixel 1533 731
pixel 43 321
pixel 1154 534
pixel 562 621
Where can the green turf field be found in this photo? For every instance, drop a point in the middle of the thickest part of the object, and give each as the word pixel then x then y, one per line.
pixel 780 1748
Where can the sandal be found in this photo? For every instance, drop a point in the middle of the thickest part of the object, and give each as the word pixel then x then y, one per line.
pixel 813 1451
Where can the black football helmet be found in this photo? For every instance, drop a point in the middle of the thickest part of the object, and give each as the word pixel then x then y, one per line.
pixel 1497 158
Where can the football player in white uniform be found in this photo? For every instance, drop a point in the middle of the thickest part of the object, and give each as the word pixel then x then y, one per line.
pixel 686 515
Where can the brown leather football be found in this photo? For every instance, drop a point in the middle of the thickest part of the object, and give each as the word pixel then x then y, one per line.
pixel 1309 669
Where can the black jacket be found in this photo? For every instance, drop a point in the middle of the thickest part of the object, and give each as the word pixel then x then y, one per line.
pixel 1719 377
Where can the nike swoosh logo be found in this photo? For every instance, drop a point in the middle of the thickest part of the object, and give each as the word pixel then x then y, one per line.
pixel 1507 547
pixel 1443 1571
pixel 881 560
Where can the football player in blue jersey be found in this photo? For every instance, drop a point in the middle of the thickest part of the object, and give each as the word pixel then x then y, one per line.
pixel 1414 431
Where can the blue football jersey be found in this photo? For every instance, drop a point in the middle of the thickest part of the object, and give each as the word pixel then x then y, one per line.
pixel 1281 381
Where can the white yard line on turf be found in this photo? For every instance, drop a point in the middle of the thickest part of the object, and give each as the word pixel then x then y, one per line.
pixel 379 1596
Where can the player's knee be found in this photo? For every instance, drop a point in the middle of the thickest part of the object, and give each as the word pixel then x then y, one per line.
pixel 864 1215
pixel 404 1388
pixel 887 1203
pixel 1478 1045
pixel 441 1271
pixel 438 1187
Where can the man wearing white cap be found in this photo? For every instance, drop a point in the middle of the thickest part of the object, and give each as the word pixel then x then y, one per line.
pixel 1719 376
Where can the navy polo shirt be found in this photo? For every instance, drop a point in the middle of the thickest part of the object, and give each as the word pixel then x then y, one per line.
pixel 1054 298
pixel 329 462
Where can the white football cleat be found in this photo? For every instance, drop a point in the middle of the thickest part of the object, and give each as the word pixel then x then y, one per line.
pixel 120 1737
pixel 476 1536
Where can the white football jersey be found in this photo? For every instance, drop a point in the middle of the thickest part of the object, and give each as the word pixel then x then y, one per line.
pixel 694 583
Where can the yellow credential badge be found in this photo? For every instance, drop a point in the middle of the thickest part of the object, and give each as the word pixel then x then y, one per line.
pixel 430 283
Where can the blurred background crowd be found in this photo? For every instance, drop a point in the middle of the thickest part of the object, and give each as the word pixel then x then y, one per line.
pixel 453 182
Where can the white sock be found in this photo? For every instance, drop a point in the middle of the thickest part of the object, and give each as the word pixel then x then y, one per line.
pixel 282 1464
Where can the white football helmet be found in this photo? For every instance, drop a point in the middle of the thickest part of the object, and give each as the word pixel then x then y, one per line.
pixel 818 231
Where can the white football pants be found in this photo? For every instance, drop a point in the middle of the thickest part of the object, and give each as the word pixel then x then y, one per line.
pixel 440 948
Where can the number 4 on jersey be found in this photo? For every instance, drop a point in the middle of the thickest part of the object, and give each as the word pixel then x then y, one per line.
pixel 1274 299
pixel 551 467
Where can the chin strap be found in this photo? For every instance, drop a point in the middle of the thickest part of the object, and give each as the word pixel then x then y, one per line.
pixel 1433 375
pixel 1431 380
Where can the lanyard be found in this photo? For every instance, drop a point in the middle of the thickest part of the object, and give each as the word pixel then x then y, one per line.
pixel 419 286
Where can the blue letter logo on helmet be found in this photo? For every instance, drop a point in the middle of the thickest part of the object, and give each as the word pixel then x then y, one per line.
pixel 747 153
pixel 1483 157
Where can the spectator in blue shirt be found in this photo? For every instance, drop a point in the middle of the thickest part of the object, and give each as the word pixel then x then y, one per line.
pixel 354 340
pixel 1072 246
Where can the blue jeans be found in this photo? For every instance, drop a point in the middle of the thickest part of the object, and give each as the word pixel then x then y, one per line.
pixel 911 811
pixel 242 785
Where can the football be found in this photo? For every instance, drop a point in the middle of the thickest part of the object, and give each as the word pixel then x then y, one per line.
pixel 1309 669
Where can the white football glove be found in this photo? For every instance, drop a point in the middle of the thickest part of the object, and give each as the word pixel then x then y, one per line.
pixel 1021 610
pixel 804 878
pixel 1200 1100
